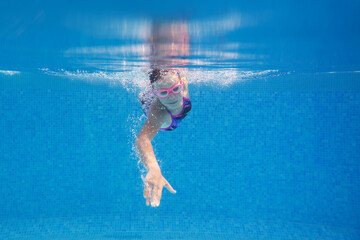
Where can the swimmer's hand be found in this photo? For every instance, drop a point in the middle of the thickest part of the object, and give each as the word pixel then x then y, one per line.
pixel 154 183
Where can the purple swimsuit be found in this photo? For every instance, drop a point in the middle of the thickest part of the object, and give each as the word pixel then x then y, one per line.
pixel 177 118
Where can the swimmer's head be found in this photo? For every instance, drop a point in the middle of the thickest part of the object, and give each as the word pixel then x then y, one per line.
pixel 165 79
pixel 158 74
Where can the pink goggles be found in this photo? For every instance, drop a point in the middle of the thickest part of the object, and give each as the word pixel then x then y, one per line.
pixel 176 89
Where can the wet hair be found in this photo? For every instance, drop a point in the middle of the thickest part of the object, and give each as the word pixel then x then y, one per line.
pixel 156 74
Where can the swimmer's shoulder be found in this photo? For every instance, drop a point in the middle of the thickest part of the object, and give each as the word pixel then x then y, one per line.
pixel 157 111
pixel 156 117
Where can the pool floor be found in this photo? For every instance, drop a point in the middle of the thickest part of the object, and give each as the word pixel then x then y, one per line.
pixel 116 227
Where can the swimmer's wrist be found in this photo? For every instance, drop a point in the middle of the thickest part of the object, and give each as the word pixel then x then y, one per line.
pixel 150 162
pixel 153 167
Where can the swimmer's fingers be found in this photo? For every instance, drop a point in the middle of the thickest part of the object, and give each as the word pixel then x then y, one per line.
pixel 169 187
pixel 147 193
pixel 156 196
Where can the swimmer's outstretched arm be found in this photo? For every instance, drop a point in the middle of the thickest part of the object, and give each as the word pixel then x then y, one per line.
pixel 154 181
pixel 146 153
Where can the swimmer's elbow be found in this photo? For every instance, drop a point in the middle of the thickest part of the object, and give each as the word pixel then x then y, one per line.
pixel 147 133
pixel 140 139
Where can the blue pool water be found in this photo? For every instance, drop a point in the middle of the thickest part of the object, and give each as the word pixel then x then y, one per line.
pixel 270 149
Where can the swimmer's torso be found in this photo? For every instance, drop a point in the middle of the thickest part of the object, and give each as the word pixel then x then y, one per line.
pixel 184 108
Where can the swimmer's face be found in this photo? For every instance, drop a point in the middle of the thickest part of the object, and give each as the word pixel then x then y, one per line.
pixel 166 82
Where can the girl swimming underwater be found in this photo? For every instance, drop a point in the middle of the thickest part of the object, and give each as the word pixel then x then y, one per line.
pixel 166 105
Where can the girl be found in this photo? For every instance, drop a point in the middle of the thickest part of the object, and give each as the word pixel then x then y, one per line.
pixel 166 105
